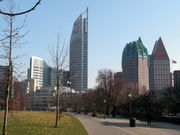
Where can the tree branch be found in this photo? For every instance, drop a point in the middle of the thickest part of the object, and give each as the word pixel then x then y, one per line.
pixel 20 13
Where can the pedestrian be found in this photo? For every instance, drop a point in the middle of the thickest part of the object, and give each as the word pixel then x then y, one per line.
pixel 148 118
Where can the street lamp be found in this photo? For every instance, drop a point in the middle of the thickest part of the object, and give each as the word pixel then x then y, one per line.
pixel 129 95
pixel 104 108
pixel 132 120
pixel 94 107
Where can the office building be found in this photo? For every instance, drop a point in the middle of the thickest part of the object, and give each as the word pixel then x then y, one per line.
pixel 40 100
pixel 159 67
pixel 176 76
pixel 79 53
pixel 39 72
pixel 135 65
pixel 53 77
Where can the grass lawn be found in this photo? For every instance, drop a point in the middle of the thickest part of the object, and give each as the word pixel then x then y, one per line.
pixel 41 123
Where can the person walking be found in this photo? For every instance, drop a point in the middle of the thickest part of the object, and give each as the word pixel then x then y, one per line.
pixel 149 118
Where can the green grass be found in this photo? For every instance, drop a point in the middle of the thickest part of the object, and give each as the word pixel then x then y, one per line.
pixel 41 123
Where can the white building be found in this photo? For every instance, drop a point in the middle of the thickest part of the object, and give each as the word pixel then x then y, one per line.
pixel 38 72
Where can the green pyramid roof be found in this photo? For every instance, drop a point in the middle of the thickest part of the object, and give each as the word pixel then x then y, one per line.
pixel 135 49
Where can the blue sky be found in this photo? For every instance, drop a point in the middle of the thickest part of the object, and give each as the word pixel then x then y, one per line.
pixel 112 24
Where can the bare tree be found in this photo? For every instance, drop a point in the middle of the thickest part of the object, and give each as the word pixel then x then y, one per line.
pixel 11 39
pixel 105 82
pixel 59 59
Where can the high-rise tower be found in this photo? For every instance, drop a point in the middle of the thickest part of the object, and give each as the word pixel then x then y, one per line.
pixel 159 67
pixel 135 65
pixel 79 53
pixel 39 72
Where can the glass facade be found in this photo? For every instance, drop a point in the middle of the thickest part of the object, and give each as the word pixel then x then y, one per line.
pixel 79 53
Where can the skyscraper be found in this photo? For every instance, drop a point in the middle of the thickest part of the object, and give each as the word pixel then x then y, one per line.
pixel 39 72
pixel 135 65
pixel 159 67
pixel 79 53
pixel 176 76
pixel 53 77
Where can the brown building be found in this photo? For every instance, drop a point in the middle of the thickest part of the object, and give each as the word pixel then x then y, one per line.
pixel 3 84
pixel 135 65
pixel 159 67
pixel 176 76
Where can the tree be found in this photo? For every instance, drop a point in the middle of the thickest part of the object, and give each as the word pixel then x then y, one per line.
pixel 59 57
pixel 9 41
pixel 105 82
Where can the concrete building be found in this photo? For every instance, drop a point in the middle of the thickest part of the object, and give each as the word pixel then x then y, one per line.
pixel 79 53
pixel 39 72
pixel 135 65
pixel 36 71
pixel 31 87
pixel 40 100
pixel 159 67
pixel 45 98
pixel 42 75
pixel 66 78
pixel 176 76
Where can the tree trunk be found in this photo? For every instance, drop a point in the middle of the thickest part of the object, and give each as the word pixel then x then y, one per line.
pixel 6 111
pixel 57 108
pixel 57 99
pixel 9 79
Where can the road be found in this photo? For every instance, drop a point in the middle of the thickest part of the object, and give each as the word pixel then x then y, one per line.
pixel 120 126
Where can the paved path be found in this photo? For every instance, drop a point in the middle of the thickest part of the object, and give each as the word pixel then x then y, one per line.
pixel 108 126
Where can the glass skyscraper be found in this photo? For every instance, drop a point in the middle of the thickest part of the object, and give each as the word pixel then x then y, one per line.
pixel 79 53
pixel 135 65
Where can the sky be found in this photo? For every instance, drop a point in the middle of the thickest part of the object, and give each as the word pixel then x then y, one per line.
pixel 112 24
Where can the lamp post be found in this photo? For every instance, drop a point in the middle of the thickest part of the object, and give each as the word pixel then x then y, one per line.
pixel 94 107
pixel 69 95
pixel 104 108
pixel 132 120
pixel 129 95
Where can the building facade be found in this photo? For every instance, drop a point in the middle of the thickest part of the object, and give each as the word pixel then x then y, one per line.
pixel 3 80
pixel 41 100
pixel 159 67
pixel 79 53
pixel 39 72
pixel 176 76
pixel 53 76
pixel 42 75
pixel 135 65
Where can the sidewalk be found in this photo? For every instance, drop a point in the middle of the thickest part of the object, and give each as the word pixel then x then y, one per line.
pixel 120 126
